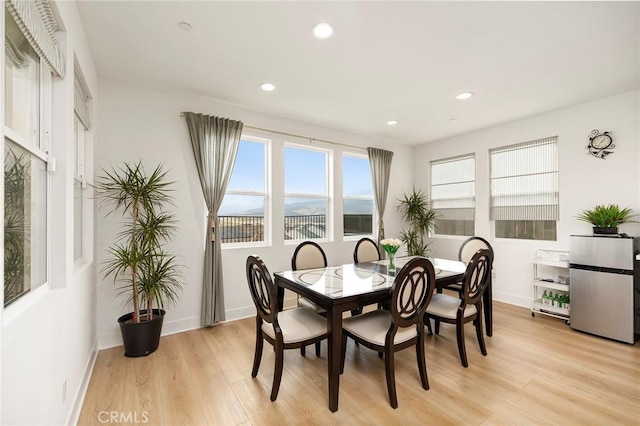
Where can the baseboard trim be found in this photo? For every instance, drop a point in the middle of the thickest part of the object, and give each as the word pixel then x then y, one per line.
pixel 112 340
pixel 512 299
pixel 74 416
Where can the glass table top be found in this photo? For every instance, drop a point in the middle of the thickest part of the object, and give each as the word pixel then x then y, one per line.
pixel 351 279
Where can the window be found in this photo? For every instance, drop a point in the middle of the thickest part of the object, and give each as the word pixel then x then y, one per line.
pixel 453 195
pixel 524 190
pixel 243 212
pixel 357 195
pixel 81 125
pixel 306 199
pixel 27 95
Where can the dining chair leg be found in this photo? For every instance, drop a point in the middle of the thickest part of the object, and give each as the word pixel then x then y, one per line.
pixel 303 351
pixel 343 348
pixel 318 349
pixel 427 322
pixel 437 326
pixel 257 357
pixel 422 364
pixel 479 334
pixel 277 373
pixel 461 348
pixel 391 377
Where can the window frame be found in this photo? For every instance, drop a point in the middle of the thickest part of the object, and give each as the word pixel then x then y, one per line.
pixel 374 216
pixel 41 149
pixel 328 196
pixel 267 195
pixel 79 181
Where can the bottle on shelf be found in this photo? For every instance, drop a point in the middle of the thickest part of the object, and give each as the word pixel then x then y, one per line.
pixel 545 298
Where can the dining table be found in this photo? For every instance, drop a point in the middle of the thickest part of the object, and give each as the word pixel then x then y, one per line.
pixel 339 289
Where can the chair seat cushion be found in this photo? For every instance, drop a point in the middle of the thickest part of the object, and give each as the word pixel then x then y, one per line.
pixel 445 306
pixel 306 303
pixel 297 324
pixel 373 326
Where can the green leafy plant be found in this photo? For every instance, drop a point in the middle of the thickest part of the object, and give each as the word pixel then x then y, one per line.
pixel 16 224
pixel 147 275
pixel 416 211
pixel 606 216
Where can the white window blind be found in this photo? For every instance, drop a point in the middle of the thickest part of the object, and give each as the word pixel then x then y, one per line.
pixel 453 188
pixel 38 24
pixel 524 181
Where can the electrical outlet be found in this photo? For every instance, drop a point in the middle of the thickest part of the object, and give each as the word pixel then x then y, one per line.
pixel 64 391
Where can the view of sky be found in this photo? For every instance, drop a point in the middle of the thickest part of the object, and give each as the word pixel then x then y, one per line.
pixel 305 173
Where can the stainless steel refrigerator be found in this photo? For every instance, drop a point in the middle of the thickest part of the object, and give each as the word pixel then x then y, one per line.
pixel 605 292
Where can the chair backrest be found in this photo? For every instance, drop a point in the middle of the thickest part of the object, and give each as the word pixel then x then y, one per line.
pixel 308 255
pixel 470 246
pixel 366 251
pixel 262 289
pixel 412 291
pixel 477 276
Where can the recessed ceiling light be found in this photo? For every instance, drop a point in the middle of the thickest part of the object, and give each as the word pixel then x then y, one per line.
pixel 185 26
pixel 267 87
pixel 322 30
pixel 464 95
pixel 452 119
pixel 392 122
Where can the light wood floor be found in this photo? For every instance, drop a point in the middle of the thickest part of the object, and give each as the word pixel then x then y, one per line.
pixel 538 371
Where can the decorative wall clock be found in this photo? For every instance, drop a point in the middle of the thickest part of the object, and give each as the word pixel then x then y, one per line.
pixel 600 144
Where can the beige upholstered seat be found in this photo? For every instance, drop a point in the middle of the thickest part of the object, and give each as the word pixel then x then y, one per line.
pixel 468 307
pixel 290 329
pixel 297 325
pixel 366 250
pixel 468 248
pixel 401 326
pixel 309 255
pixel 374 326
pixel 447 307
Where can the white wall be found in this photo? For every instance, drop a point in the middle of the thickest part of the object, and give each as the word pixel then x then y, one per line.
pixel 144 123
pixel 584 180
pixel 48 337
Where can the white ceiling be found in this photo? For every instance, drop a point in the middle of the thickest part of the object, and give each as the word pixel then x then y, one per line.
pixel 387 60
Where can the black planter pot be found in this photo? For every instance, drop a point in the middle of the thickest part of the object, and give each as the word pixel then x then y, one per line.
pixel 143 338
pixel 605 230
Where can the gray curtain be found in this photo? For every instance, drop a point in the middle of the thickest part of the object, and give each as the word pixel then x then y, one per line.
pixel 215 143
pixel 380 164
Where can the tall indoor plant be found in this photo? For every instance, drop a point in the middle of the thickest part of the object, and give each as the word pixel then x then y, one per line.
pixel 416 211
pixel 147 275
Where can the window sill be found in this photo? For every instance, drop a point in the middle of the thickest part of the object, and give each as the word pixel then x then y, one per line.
pixel 18 308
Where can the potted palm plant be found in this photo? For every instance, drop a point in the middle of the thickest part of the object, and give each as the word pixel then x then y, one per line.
pixel 416 211
pixel 605 219
pixel 147 276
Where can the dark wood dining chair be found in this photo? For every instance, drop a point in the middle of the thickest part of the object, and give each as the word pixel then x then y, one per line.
pixel 467 308
pixel 468 248
pixel 401 326
pixel 366 250
pixel 309 255
pixel 289 329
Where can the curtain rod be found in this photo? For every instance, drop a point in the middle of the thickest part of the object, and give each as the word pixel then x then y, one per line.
pixel 311 140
